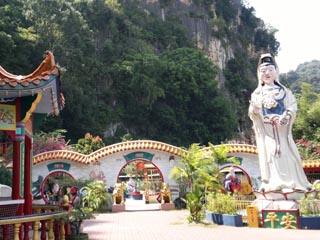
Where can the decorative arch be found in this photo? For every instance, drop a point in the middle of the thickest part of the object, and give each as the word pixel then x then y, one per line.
pixel 60 193
pixel 246 186
pixel 130 145
pixel 137 159
pixel 107 151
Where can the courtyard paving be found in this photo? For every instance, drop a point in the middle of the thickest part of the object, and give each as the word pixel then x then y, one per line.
pixel 148 222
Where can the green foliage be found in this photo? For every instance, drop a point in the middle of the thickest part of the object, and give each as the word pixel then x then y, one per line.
pixel 76 217
pixel 307 72
pixel 226 10
pixel 192 167
pixel 95 195
pixel 199 169
pixel 264 39
pixel 220 154
pixel 128 71
pixel 307 123
pixel 195 205
pixel 17 38
pixel 309 206
pixel 5 176
pixel 308 150
pixel 222 203
pixel 193 100
pixel 88 144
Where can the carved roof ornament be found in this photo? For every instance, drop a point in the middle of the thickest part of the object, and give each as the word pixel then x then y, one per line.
pixel 43 82
pixel 42 73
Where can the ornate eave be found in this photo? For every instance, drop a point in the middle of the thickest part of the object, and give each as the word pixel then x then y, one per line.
pixel 43 82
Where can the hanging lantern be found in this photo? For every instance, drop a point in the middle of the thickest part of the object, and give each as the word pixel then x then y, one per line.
pixel 140 165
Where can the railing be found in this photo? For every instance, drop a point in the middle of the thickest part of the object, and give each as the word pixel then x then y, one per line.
pixel 41 208
pixel 48 224
pixel 241 206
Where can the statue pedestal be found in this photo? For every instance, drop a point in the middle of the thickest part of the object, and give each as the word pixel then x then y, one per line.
pixel 282 195
pixel 275 204
pixel 167 206
pixel 118 208
pixel 272 213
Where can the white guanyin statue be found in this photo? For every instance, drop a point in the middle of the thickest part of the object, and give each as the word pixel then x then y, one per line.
pixel 273 110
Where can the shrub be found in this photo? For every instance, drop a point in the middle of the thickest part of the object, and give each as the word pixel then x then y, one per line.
pixel 221 203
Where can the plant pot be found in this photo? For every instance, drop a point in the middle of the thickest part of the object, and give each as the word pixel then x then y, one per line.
pixel 214 217
pixel 311 222
pixel 80 236
pixel 232 220
pixel 137 196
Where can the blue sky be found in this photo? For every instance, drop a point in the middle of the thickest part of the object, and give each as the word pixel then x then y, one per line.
pixel 298 29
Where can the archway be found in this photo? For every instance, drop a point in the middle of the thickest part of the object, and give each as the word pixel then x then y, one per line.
pixel 242 175
pixel 56 185
pixel 143 180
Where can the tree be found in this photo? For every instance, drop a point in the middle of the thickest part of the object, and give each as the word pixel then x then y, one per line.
pixel 307 124
pixel 17 38
pixel 200 170
pixel 193 100
pixel 95 194
pixel 88 144
pixel 126 70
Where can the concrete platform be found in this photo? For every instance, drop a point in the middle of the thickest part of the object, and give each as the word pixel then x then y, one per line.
pixel 118 208
pixel 140 205
pixel 167 206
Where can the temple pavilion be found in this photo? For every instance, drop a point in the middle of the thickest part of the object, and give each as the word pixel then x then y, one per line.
pixel 24 102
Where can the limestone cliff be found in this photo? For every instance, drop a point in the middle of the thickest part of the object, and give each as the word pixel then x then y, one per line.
pixel 214 26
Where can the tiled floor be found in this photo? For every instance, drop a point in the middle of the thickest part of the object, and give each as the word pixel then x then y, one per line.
pixel 140 223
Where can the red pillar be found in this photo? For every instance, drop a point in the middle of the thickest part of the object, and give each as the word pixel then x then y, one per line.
pixel 27 176
pixel 16 173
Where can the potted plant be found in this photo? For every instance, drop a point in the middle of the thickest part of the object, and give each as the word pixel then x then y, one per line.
pixel 309 212
pixel 213 209
pixel 146 186
pixel 221 209
pixel 75 219
pixel 136 194
pixel 92 197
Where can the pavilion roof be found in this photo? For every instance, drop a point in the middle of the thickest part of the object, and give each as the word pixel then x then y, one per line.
pixel 44 83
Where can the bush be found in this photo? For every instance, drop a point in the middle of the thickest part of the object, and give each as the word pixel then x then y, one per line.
pixel 221 203
pixel 309 206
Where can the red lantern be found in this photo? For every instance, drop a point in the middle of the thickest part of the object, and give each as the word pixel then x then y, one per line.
pixel 140 166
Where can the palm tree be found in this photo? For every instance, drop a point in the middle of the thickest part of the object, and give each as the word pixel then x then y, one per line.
pixel 200 170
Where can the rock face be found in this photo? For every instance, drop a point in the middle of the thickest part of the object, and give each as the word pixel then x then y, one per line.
pixel 198 22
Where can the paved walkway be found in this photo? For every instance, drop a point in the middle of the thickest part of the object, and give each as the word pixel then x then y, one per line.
pixel 153 224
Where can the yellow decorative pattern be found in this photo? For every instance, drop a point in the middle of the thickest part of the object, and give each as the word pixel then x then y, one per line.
pixel 144 144
pixel 106 151
pixel 126 146
pixel 240 148
pixel 311 163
